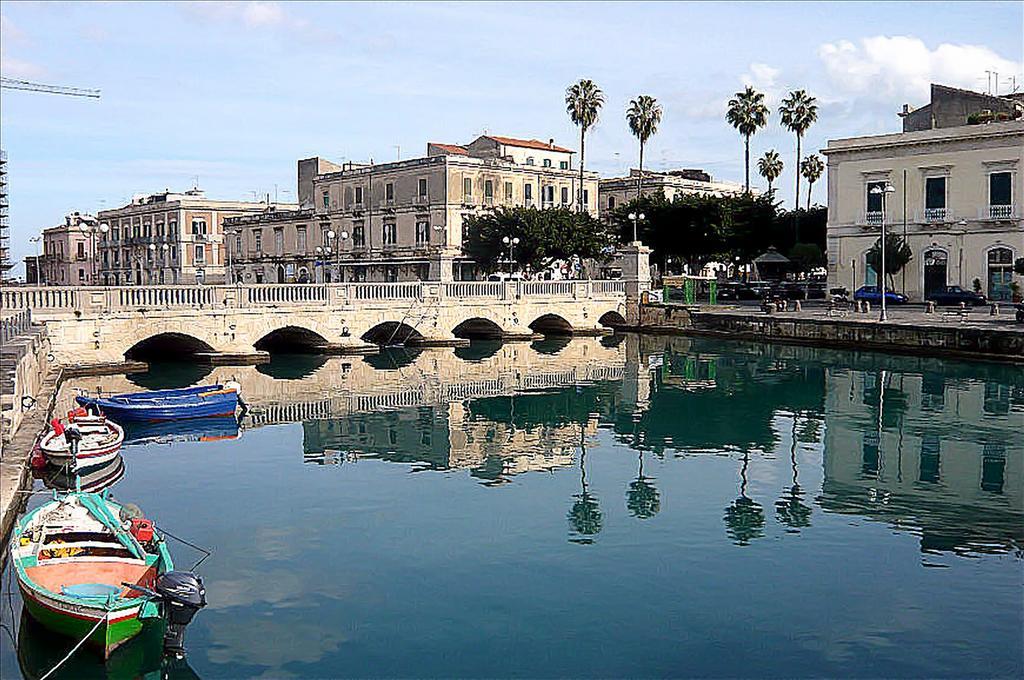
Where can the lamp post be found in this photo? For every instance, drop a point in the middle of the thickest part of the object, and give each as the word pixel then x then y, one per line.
pixel 89 227
pixel 227 249
pixel 39 259
pixel 511 243
pixel 635 219
pixel 163 256
pixel 884 193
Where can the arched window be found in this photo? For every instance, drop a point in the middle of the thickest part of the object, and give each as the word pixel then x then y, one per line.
pixel 1000 274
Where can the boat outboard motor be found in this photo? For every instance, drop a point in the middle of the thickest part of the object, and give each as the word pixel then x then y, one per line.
pixel 183 595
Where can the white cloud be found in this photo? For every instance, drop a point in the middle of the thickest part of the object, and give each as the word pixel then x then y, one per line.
pixel 253 14
pixel 901 68
pixel 263 14
pixel 761 76
pixel 17 68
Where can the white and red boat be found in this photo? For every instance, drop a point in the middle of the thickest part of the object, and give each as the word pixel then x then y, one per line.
pixel 100 441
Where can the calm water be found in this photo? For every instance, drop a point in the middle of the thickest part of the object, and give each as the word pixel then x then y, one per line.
pixel 616 507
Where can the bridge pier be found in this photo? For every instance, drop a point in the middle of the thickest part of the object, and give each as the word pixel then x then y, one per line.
pixel 249 358
pixel 344 348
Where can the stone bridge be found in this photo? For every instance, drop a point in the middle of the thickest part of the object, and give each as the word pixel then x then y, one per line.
pixel 92 326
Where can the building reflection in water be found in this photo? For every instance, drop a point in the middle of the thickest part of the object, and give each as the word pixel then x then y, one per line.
pixel 929 446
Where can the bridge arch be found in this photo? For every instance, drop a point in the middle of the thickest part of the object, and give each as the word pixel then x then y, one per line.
pixel 612 319
pixel 291 339
pixel 551 324
pixel 391 333
pixel 478 328
pixel 170 345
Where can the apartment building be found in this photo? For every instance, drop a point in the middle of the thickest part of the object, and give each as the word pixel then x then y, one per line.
pixel 67 257
pixel 617 191
pixel 168 238
pixel 403 221
pixel 5 236
pixel 956 200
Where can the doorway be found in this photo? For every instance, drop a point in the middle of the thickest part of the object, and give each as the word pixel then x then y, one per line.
pixel 935 266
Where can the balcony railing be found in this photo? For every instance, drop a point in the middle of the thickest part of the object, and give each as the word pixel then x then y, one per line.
pixel 999 212
pixel 873 218
pixel 936 214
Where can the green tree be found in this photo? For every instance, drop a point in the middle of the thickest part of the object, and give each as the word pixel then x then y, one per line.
pixel 770 167
pixel 583 102
pixel 811 169
pixel 799 111
pixel 585 518
pixel 744 518
pixel 747 112
pixel 643 116
pixel 544 236
pixel 806 255
pixel 897 255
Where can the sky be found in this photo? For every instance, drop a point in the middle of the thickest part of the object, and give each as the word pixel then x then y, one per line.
pixel 231 94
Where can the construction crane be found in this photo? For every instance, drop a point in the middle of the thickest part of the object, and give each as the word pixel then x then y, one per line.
pixel 15 84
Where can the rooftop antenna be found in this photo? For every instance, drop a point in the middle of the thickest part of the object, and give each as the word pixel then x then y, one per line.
pixel 195 181
pixel 996 81
pixel 398 152
pixel 988 89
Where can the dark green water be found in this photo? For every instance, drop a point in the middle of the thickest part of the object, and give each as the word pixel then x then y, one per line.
pixel 634 507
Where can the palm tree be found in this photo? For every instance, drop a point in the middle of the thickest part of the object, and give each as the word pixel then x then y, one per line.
pixel 583 102
pixel 747 113
pixel 643 115
pixel 811 169
pixel 770 167
pixel 642 498
pixel 585 519
pixel 798 112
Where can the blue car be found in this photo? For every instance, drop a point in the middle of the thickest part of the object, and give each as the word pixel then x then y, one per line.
pixel 871 294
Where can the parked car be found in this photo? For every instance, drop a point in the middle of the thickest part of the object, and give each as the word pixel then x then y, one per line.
pixel 1020 312
pixel 728 291
pixel 871 294
pixel 753 290
pixel 801 290
pixel 954 295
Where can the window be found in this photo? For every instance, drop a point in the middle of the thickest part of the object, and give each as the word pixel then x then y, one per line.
pixel 300 239
pixel 928 470
pixel 257 240
pixel 528 192
pixel 488 189
pixel 135 230
pixel 611 202
pixel 117 257
pixel 423 232
pixel 199 226
pixel 359 195
pixel 238 245
pixel 389 192
pixel 390 234
pixel 279 241
pixel 586 197
pixel 115 234
pixel 874 200
pixel 935 194
pixel 422 189
pixel 174 252
pixel 547 163
pixel 508 191
pixel 467 186
pixel 529 160
pixel 358 235
pixel 81 250
pixel 81 274
pixel 160 230
pixel 565 194
pixel 563 165
pixel 549 194
pixel 200 254
pixel 1000 194
pixel 326 197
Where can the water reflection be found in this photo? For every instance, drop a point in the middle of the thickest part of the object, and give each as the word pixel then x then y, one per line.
pixel 93 479
pixel 292 366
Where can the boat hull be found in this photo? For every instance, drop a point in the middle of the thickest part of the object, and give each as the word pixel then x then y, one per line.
pixel 158 406
pixel 75 621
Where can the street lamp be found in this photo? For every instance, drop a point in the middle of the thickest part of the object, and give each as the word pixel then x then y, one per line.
pixel 511 243
pixel 636 218
pixel 163 248
pixel 883 192
pixel 227 249
pixel 89 227
pixel 39 259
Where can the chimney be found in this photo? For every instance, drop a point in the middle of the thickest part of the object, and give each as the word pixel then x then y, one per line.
pixel 551 143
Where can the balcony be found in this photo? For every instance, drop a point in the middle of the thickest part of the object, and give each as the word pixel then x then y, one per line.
pixel 932 215
pixel 468 200
pixel 422 200
pixel 999 212
pixel 872 218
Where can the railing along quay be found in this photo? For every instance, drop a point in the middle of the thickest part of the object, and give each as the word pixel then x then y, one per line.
pixel 134 298
pixel 14 325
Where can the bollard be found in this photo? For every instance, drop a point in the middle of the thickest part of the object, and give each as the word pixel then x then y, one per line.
pixel 930 308
pixel 995 309
pixel 797 307
pixel 867 306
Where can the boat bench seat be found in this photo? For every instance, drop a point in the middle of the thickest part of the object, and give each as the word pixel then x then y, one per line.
pixel 71 574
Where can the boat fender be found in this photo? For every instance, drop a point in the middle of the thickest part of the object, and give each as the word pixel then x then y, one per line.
pixel 130 511
pixel 76 413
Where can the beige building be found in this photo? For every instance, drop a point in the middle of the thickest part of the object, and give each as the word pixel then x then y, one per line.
pixel 957 200
pixel 67 253
pixel 617 191
pixel 168 238
pixel 402 221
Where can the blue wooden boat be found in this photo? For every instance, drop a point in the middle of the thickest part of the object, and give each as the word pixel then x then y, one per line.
pixel 157 405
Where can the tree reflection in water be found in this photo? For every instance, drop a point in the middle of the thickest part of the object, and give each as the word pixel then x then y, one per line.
pixel 744 518
pixel 585 518
pixel 642 498
pixel 790 508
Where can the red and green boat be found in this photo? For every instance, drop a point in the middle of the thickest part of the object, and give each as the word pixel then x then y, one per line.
pixel 90 568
